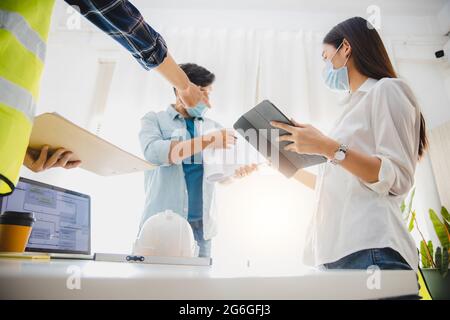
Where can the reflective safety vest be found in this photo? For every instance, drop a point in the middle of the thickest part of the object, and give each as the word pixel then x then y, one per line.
pixel 24 27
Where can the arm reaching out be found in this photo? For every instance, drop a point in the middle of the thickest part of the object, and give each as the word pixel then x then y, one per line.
pixel 189 93
pixel 125 24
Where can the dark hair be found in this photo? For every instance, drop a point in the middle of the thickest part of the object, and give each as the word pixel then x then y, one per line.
pixel 198 75
pixel 369 56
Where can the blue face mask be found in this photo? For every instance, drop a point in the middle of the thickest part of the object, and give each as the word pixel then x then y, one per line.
pixel 198 111
pixel 336 79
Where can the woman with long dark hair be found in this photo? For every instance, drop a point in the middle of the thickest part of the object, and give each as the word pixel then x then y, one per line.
pixel 373 150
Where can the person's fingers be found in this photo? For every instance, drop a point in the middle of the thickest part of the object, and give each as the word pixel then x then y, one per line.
pixel 297 124
pixel 229 132
pixel 40 162
pixel 62 162
pixel 230 144
pixel 190 96
pixel 239 172
pixel 72 164
pixel 282 126
pixel 33 153
pixel 286 137
pixel 231 140
pixel 290 147
pixel 54 158
pixel 245 170
pixel 232 134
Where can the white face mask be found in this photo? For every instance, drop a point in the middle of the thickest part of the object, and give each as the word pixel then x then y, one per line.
pixel 336 79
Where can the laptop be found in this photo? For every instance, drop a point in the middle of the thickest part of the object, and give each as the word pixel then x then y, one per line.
pixel 63 219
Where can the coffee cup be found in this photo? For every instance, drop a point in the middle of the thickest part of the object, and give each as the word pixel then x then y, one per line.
pixel 15 229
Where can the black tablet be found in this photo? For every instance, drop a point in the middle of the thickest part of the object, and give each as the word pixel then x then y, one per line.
pixel 258 120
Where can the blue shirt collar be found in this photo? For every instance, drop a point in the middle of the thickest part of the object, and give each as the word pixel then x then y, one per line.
pixel 173 113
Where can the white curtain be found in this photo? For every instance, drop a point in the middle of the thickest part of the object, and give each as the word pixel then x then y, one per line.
pixel 262 218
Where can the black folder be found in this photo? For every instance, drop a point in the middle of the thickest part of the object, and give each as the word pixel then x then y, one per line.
pixel 265 142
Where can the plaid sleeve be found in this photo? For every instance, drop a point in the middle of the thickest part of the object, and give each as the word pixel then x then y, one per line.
pixel 124 23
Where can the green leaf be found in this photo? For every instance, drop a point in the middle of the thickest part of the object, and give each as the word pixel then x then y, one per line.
pixel 403 206
pixel 424 256
pixel 447 226
pixel 440 229
pixel 411 221
pixel 445 214
pixel 411 198
pixel 430 248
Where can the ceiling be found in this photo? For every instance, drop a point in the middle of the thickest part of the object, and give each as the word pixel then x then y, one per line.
pixel 388 7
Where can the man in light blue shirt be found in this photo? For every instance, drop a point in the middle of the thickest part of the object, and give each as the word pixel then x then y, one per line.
pixel 174 140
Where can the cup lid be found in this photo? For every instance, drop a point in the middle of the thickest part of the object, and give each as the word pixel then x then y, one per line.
pixel 17 218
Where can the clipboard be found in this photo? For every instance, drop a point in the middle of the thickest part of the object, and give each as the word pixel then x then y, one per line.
pixel 96 154
pixel 259 119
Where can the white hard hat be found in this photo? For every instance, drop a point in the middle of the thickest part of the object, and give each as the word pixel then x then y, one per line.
pixel 166 234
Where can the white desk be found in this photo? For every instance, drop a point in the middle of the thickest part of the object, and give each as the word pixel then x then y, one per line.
pixel 26 279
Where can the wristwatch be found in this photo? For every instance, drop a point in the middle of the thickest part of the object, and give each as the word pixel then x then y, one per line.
pixel 340 154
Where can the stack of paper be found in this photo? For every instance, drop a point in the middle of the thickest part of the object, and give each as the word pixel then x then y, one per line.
pixel 221 164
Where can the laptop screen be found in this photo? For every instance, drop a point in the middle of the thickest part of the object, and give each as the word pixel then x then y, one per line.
pixel 62 217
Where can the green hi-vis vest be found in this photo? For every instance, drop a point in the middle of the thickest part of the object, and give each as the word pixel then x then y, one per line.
pixel 24 27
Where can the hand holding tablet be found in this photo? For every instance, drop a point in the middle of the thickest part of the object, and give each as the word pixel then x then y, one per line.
pixel 255 126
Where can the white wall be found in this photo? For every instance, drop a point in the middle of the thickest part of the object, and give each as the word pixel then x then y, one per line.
pixel 69 80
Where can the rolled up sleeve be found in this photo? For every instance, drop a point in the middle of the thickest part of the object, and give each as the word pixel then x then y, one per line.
pixel 154 147
pixel 395 123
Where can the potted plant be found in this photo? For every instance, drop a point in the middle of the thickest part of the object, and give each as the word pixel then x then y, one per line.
pixel 434 259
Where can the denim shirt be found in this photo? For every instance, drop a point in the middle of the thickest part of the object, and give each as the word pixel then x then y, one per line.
pixel 165 186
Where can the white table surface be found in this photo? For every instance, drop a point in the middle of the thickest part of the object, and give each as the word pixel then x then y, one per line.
pixel 27 279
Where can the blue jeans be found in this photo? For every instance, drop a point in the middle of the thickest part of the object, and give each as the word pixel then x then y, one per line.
pixel 204 245
pixel 384 258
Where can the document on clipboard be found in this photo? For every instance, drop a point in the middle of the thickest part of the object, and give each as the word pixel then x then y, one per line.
pixel 96 154
pixel 259 118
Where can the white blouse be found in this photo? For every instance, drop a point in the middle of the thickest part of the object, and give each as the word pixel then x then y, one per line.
pixel 381 118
